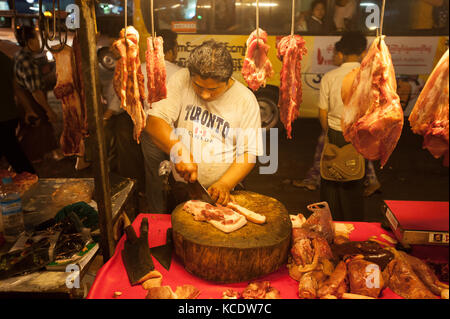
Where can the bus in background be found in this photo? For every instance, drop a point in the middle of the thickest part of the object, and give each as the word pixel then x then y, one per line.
pixel 417 35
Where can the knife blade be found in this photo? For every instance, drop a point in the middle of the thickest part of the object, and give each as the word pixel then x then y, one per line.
pixel 197 191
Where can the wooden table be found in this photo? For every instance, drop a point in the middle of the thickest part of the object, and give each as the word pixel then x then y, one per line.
pixel 53 283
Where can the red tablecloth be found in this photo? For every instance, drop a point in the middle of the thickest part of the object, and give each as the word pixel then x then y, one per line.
pixel 112 277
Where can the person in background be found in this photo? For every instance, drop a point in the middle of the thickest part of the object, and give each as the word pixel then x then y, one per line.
pixel 316 21
pixel 153 156
pixel 312 179
pixel 39 138
pixel 344 12
pixel 9 119
pixel 345 199
pixel 422 14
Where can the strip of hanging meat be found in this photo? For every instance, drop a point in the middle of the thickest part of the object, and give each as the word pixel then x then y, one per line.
pixel 74 115
pixel 291 50
pixel 257 67
pixel 429 117
pixel 129 81
pixel 79 78
pixel 373 117
pixel 156 70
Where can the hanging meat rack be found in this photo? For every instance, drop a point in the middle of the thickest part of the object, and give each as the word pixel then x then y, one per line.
pixel 58 31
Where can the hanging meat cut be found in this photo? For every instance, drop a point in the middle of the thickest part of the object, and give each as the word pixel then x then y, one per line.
pixel 74 114
pixel 129 82
pixel 257 67
pixel 156 70
pixel 79 77
pixel 429 117
pixel 373 117
pixel 291 50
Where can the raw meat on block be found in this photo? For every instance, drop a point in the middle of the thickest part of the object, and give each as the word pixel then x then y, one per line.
pixel 74 115
pixel 129 82
pixel 429 117
pixel 156 70
pixel 223 218
pixel 291 50
pixel 257 67
pixel 373 117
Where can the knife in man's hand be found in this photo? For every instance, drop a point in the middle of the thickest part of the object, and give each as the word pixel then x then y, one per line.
pixel 198 192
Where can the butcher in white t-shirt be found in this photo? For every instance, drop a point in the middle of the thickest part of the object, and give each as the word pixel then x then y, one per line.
pixel 216 119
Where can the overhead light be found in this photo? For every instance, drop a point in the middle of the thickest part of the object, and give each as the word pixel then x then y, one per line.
pixel 49 56
pixel 367 4
pixel 266 4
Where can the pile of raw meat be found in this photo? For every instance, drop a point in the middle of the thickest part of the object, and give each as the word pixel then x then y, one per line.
pixel 291 50
pixel 69 89
pixel 429 117
pixel 257 67
pixel 129 81
pixel 373 117
pixel 330 266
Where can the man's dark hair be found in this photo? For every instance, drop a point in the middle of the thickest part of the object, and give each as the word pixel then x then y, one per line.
pixel 316 2
pixel 338 46
pixel 170 39
pixel 211 60
pixel 352 43
pixel 24 34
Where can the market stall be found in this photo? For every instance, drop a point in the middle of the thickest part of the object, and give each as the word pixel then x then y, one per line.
pixel 41 203
pixel 252 247
pixel 53 207
pixel 112 280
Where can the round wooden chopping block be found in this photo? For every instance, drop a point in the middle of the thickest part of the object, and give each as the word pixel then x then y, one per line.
pixel 248 253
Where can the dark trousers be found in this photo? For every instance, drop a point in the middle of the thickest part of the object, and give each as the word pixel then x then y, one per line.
pixel 11 149
pixel 345 199
pixel 124 153
pixel 154 184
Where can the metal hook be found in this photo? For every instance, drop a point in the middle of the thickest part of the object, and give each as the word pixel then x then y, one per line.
pixel 61 34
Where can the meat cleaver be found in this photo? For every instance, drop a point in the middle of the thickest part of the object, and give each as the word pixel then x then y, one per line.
pixel 136 255
pixel 163 253
pixel 197 191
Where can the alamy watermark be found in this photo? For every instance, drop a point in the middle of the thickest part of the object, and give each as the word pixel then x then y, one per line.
pixel 226 147
pixel 373 274
pixel 73 277
pixel 374 17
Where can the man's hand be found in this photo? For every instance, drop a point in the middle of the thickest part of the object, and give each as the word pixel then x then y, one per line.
pixel 189 171
pixel 220 193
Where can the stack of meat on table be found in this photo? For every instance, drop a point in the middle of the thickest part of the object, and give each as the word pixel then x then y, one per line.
pixel 324 262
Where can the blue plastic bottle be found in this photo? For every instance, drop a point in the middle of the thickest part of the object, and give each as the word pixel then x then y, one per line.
pixel 11 209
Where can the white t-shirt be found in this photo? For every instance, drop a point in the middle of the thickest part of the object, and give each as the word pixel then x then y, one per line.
pixel 330 94
pixel 215 132
pixel 171 69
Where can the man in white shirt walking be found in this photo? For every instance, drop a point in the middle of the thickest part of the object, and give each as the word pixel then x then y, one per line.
pixel 344 198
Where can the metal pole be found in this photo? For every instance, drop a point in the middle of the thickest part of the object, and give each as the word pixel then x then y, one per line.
pixel 87 36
